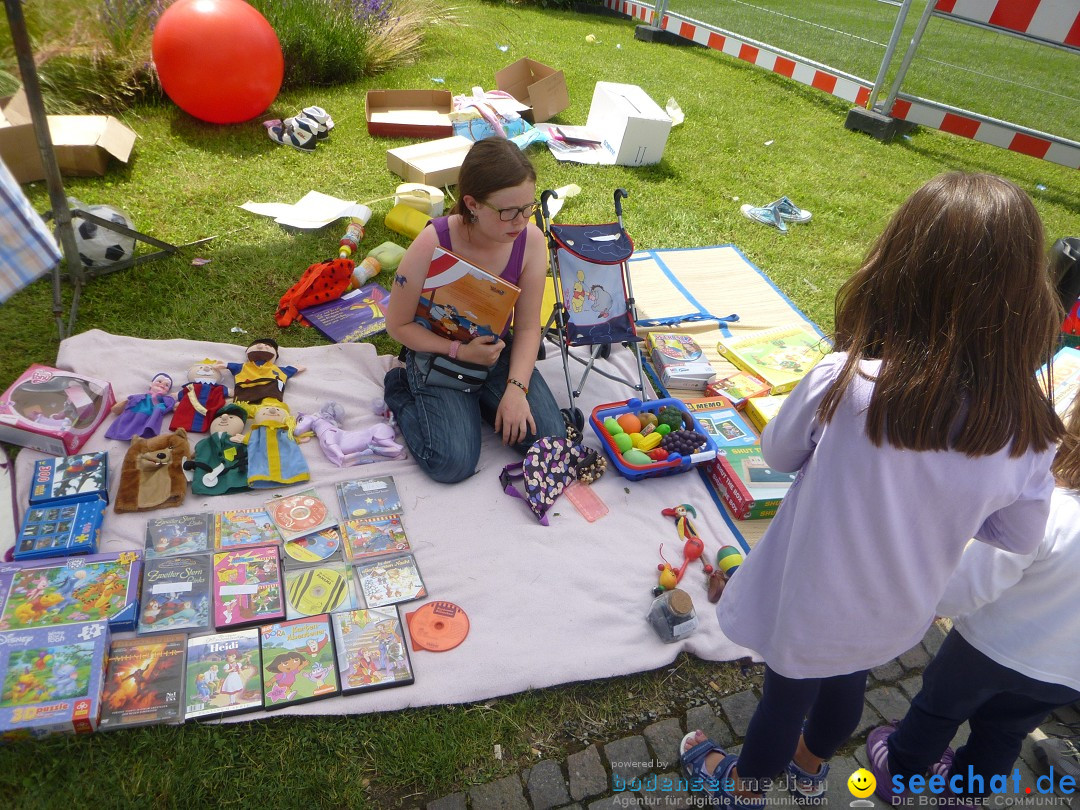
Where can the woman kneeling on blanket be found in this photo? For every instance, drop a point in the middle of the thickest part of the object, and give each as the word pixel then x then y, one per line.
pixel 489 226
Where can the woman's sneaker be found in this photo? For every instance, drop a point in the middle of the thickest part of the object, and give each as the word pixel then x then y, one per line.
pixel 806 787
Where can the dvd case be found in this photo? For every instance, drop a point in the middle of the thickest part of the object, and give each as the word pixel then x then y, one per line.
pixel 371 650
pixel 369 537
pixel 176 594
pixel 368 497
pixel 224 675
pixel 299 514
pixel 316 589
pixel 247 587
pixel 244 528
pixel 390 580
pixel 182 534
pixel 144 682
pixel 298 661
pixel 319 547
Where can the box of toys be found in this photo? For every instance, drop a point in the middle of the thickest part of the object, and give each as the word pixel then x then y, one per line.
pixel 53 411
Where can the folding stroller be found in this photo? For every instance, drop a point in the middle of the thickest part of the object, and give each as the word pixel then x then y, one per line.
pixel 594 299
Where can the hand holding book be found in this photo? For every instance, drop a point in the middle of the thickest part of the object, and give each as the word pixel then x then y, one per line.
pixel 483 350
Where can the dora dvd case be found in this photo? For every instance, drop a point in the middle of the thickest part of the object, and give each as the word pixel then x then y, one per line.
pixel 298 661
pixel 368 497
pixel 144 682
pixel 176 595
pixel 371 650
pixel 224 675
pixel 72 590
pixel 51 679
pixel 247 587
pixel 182 534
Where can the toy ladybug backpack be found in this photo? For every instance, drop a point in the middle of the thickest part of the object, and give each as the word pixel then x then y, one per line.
pixel 321 282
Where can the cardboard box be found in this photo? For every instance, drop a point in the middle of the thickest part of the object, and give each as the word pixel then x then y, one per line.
pixel 434 163
pixel 44 409
pixel 541 87
pixel 83 144
pixel 633 125
pixel 409 113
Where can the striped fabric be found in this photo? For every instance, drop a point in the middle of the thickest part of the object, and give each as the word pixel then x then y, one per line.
pixel 27 248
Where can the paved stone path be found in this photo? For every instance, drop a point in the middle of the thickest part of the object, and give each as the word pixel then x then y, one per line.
pixel 620 773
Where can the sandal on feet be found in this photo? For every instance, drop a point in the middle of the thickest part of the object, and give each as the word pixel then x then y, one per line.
pixel 804 786
pixel 711 784
pixel 288 133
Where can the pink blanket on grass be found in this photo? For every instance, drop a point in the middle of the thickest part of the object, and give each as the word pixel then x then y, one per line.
pixel 547 605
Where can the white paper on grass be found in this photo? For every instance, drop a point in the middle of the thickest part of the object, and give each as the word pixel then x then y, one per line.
pixel 314 210
pixel 597 154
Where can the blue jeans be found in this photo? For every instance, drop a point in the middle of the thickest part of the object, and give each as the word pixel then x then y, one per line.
pixel 1001 705
pixel 442 426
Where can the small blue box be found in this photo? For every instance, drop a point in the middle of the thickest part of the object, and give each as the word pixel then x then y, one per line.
pixel 69 478
pixel 61 528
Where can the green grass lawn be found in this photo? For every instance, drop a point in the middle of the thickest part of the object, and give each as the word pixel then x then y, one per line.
pixel 749 136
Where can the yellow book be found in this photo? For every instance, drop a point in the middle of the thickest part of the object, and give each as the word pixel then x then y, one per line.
pixel 760 410
pixel 780 356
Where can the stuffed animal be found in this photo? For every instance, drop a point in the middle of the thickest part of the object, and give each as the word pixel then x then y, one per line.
pixel 152 476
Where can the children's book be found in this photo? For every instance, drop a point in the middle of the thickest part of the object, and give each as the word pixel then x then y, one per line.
pixel 65 478
pixel 738 386
pixel 459 301
pixel 182 534
pixel 1066 378
pixel 176 594
pixel 247 587
pixel 299 514
pixel 144 682
pixel 59 529
pixel 371 650
pixel 369 537
pixel 298 661
pixel 322 546
pixel 679 361
pixel 224 675
pixel 389 580
pixel 721 421
pixel 96 587
pixel 243 528
pixel 368 497
pixel 750 487
pixel 355 316
pixel 780 356
pixel 51 679
pixel 761 410
pixel 323 588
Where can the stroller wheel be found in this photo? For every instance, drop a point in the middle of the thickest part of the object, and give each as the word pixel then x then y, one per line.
pixel 541 352
pixel 603 351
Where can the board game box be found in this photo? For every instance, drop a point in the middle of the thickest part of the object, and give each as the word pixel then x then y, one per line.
pixel 371 650
pixel 780 356
pixel 389 580
pixel 59 529
pixel 721 421
pixel 144 682
pixel 52 679
pixel 243 528
pixel 224 675
pixel 66 478
pixel 738 386
pixel 247 587
pixel 679 361
pixel 368 497
pixel 298 661
pixel 750 487
pixel 76 589
pixel 182 534
pixel 369 537
pixel 176 594
pixel 761 410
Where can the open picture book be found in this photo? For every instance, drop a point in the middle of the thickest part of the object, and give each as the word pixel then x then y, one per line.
pixel 460 301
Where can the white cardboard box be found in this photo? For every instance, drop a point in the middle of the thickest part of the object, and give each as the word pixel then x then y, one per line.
pixel 633 125
pixel 433 163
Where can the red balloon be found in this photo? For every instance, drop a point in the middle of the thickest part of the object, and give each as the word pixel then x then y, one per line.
pixel 218 60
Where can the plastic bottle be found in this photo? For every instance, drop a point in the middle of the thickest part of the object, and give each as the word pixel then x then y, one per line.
pixel 364 272
pixel 354 235
pixel 672 615
pixel 389 255
pixel 406 221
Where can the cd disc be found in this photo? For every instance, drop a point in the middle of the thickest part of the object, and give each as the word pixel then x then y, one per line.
pixel 437 626
pixel 314 547
pixel 298 512
pixel 317 590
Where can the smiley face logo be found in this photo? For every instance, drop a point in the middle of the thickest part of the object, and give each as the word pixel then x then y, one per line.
pixel 861 783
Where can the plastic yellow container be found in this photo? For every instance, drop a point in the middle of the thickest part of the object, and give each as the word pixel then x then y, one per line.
pixel 406 220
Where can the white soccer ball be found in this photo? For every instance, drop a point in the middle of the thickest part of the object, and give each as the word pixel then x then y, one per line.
pixel 100 246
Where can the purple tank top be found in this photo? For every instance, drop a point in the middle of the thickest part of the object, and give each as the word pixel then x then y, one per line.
pixel 512 271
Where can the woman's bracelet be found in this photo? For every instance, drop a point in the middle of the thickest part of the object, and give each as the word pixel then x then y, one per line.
pixel 519 384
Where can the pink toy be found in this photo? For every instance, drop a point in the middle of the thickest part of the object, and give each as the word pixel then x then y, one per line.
pixel 348 447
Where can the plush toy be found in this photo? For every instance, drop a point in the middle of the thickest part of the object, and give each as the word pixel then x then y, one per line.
pixel 347 447
pixel 200 398
pixel 274 457
pixel 260 378
pixel 220 465
pixel 142 414
pixel 153 473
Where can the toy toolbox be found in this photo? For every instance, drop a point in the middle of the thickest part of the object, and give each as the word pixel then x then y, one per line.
pixel 675 463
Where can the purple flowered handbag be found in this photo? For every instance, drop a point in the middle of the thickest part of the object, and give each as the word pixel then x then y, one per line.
pixel 550 466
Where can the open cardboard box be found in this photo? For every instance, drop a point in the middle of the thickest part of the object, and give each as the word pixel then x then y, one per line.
pixel 434 163
pixel 634 126
pixel 409 113
pixel 543 88
pixel 82 144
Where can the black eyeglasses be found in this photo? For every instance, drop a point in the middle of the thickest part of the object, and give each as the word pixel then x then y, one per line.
pixel 510 214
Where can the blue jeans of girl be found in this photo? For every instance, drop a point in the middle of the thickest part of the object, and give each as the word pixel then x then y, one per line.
pixel 442 426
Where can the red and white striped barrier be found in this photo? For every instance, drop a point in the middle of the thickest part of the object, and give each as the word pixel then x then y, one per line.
pixel 639 11
pixel 1007 137
pixel 1051 20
